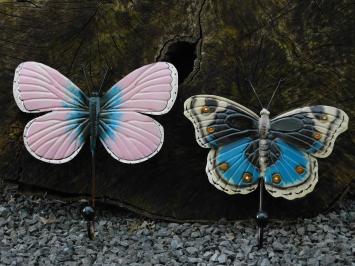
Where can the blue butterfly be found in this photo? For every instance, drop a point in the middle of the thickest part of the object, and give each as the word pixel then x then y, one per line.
pixel 246 147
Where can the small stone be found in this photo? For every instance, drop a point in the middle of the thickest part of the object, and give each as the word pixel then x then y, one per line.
pixel 224 243
pixel 265 262
pixel 159 247
pixel 3 211
pixel 240 255
pixel 124 244
pixel 301 230
pixel 311 228
pixel 32 228
pixel 228 252
pixel 174 244
pixel 163 232
pixel 277 246
pixel 195 234
pixel 192 250
pixel 147 244
pixel 222 258
pixel 215 256
pixel 327 260
pixel 312 261
pixel 194 260
pixel 207 254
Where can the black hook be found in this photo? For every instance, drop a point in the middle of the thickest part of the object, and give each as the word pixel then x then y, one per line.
pixel 89 215
pixel 261 217
pixel 261 220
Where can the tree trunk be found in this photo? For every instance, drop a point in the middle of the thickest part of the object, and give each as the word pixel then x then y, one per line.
pixel 216 46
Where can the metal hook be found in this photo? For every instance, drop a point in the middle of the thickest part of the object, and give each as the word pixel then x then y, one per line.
pixel 91 229
pixel 88 213
pixel 261 216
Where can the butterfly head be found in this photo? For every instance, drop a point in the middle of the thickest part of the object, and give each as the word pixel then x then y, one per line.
pixel 95 94
pixel 264 112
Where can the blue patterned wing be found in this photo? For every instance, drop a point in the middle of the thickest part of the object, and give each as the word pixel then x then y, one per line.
pixel 230 130
pixel 312 129
pixel 297 137
pixel 232 169
pixel 292 173
pixel 219 121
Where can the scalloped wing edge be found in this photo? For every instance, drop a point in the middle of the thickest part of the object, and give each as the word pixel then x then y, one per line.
pixel 44 159
pixel 221 184
pixel 298 191
pixel 173 93
pixel 161 129
pixel 329 142
pixel 189 115
pixel 15 90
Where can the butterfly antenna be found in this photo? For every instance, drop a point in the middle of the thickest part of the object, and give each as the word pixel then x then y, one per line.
pixel 251 85
pixel 104 78
pixel 86 79
pixel 90 72
pixel 274 93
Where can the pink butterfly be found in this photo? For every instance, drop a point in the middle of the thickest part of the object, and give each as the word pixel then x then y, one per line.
pixel 118 118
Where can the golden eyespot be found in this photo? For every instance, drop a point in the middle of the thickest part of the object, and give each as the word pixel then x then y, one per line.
pixel 223 167
pixel 317 136
pixel 323 118
pixel 205 109
pixel 247 177
pixel 276 178
pixel 210 129
pixel 299 170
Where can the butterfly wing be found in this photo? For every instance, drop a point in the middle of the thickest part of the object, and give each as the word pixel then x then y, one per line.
pixel 311 129
pixel 151 89
pixel 297 136
pixel 232 169
pixel 219 121
pixel 40 88
pixel 292 173
pixel 127 134
pixel 58 136
pixel 230 130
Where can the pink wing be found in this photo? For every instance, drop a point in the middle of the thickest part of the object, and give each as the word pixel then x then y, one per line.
pixel 130 137
pixel 151 89
pixel 39 88
pixel 58 136
pixel 127 135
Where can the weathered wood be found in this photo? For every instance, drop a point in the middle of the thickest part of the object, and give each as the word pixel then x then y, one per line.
pixel 215 45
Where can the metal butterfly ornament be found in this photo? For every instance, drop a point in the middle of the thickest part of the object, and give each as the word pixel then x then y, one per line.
pixel 118 118
pixel 248 150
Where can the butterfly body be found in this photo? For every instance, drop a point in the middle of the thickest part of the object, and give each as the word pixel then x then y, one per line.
pixel 264 126
pixel 94 120
pixel 245 147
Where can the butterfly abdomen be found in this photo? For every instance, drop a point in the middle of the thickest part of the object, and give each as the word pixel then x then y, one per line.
pixel 264 126
pixel 94 109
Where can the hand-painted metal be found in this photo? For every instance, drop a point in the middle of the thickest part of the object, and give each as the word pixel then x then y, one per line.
pixel 248 150
pixel 118 118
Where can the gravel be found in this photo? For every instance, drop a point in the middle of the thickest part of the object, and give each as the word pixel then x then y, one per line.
pixel 36 230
